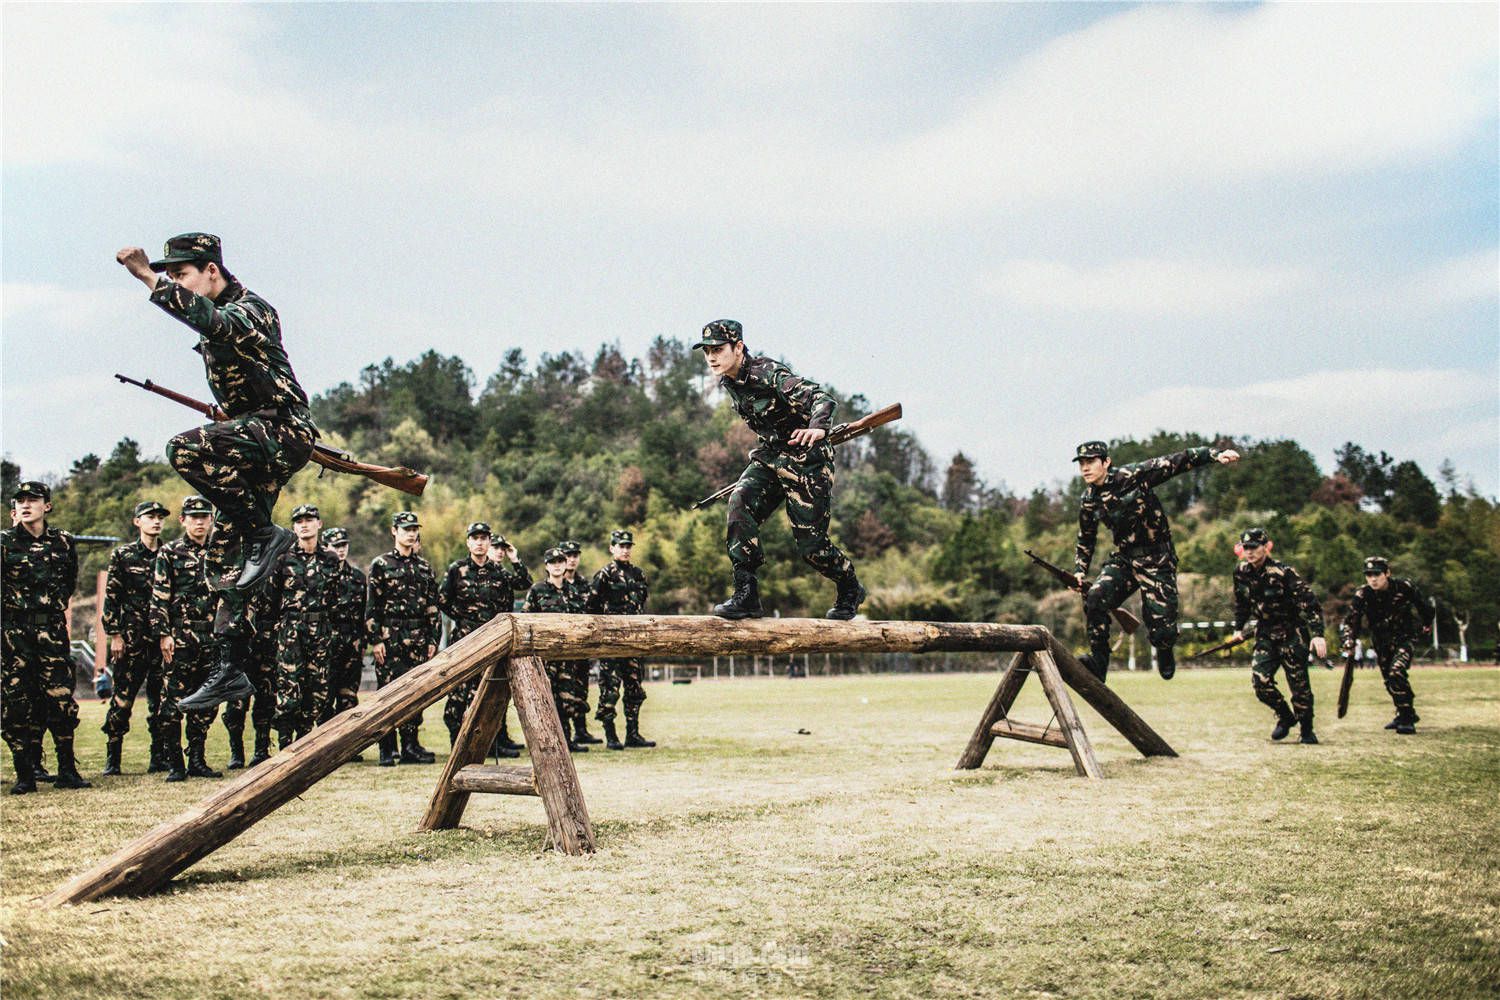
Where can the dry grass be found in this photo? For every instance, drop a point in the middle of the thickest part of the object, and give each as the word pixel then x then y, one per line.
pixel 742 859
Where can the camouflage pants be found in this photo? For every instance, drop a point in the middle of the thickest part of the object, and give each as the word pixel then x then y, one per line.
pixel 403 651
pixel 1288 651
pixel 192 659
pixel 139 667
pixel 346 669
pixel 1155 576
pixel 36 683
pixel 613 675
pixel 260 707
pixel 807 487
pixel 1395 661
pixel 571 704
pixel 302 683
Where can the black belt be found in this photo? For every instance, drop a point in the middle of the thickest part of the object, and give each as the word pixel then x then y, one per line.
pixel 34 617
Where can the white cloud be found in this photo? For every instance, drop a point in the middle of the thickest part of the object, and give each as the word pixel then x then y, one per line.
pixel 55 307
pixel 1471 278
pixel 1139 286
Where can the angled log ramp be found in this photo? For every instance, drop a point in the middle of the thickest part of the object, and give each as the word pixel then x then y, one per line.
pixel 152 860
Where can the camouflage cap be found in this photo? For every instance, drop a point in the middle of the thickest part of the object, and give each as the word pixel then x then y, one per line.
pixel 150 507
pixel 405 519
pixel 721 331
pixel 1091 449
pixel 1254 536
pixel 1375 565
pixel 335 536
pixel 195 504
pixel 305 510
pixel 621 536
pixel 570 547
pixel 190 248
pixel 32 488
pixel 479 528
pixel 553 555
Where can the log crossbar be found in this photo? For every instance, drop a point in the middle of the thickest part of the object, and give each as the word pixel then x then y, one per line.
pixel 157 856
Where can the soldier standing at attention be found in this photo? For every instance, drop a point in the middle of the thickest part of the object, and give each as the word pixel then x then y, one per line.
pixel 1395 613
pixel 476 589
pixel 239 463
pixel 346 641
pixel 299 597
pixel 38 571
pixel 620 589
pixel 133 648
pixel 401 624
pixel 553 596
pixel 1143 557
pixel 260 706
pixel 575 673
pixel 791 416
pixel 1286 615
pixel 182 618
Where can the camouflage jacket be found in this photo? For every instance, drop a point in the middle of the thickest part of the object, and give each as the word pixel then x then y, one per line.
pixel 472 594
pixel 554 600
pixel 1125 503
pixel 581 588
pixel 180 598
pixel 1276 598
pixel 403 599
pixel 39 574
pixel 1396 614
pixel 348 608
pixel 303 587
pixel 774 401
pixel 618 589
pixel 127 589
pixel 239 337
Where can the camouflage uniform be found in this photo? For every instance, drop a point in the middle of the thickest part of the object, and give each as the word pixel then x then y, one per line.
pixel 260 668
pixel 402 612
pixel 127 614
pixel 346 665
pixel 619 589
pixel 1394 616
pixel 1143 557
pixel 300 595
pixel 574 674
pixel 183 607
pixel 1287 616
pixel 545 598
pixel 473 593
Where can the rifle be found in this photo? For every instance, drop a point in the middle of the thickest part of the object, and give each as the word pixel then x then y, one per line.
pixel 839 434
pixel 398 478
pixel 1222 646
pixel 1128 621
pixel 1345 684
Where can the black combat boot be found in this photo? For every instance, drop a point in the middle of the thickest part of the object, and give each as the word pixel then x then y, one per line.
pixel 38 764
pixel 1406 724
pixel 388 755
pixel 745 601
pixel 263 547
pixel 67 768
pixel 851 596
pixel 581 732
pixel 112 756
pixel 1307 731
pixel 284 738
pixel 505 740
pixel 1394 722
pixel 25 773
pixel 499 751
pixel 633 737
pixel 197 766
pixel 236 749
pixel 1087 659
pixel 171 753
pixel 1283 726
pixel 426 755
pixel 262 747
pixel 157 763
pixel 1166 662
pixel 226 682
pixel 411 750
pixel 611 738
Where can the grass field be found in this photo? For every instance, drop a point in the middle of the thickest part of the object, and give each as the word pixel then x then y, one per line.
pixel 743 859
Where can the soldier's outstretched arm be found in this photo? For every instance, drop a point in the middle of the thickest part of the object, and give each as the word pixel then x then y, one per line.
pixel 1155 471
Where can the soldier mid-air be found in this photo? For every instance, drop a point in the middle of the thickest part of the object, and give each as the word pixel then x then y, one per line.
pixel 239 463
pixel 133 648
pixel 1143 557
pixel 299 598
pixel 346 629
pixel 401 623
pixel 620 589
pixel 791 416
pixel 574 674
pixel 1286 614
pixel 552 595
pixel 1395 613
pixel 38 571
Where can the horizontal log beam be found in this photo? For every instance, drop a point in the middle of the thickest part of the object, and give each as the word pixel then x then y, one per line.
pixel 495 779
pixel 1028 732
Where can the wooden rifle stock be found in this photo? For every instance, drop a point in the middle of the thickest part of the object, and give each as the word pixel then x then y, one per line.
pixel 1345 684
pixel 397 478
pixel 1127 621
pixel 1221 647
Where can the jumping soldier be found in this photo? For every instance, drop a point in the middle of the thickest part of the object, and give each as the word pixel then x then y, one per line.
pixel 300 596
pixel 182 618
pixel 1286 614
pixel 240 463
pixel 1395 613
pixel 346 628
pixel 553 596
pixel 133 648
pixel 1143 557
pixel 40 570
pixel 574 674
pixel 476 589
pixel 401 624
pixel 791 416
pixel 620 589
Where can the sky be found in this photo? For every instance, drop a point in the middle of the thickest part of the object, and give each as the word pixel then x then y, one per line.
pixel 1031 224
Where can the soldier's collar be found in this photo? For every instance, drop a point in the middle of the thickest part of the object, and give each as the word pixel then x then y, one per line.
pixel 232 290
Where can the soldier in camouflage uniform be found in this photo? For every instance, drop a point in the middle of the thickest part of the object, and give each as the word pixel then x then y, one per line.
pixel 552 595
pixel 1396 613
pixel 620 589
pixel 1286 615
pixel 476 589
pixel 133 648
pixel 259 707
pixel 1143 558
pixel 240 463
pixel 401 624
pixel 791 416
pixel 346 642
pixel 300 596
pixel 38 571
pixel 574 674
pixel 182 618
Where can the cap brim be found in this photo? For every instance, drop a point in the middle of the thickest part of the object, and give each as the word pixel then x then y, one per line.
pixel 711 343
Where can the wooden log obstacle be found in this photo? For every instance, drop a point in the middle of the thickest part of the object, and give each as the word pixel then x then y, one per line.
pixel 505 654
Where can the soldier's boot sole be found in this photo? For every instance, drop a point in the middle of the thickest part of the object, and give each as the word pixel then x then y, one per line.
pixel 230 688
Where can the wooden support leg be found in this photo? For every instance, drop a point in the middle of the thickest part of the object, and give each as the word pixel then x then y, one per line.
pixel 552 766
pixel 475 737
pixel 1005 695
pixel 1067 716
pixel 1107 703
